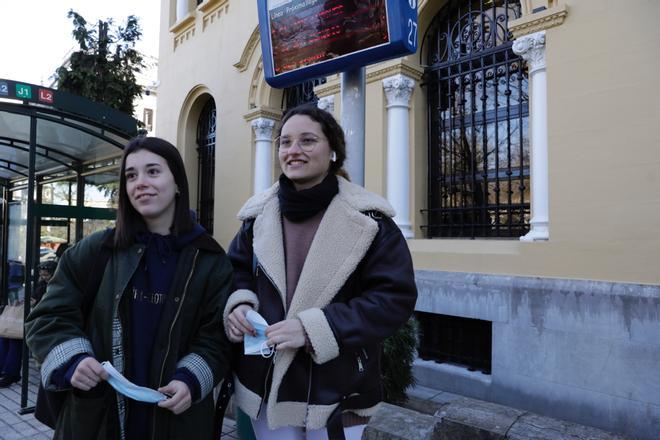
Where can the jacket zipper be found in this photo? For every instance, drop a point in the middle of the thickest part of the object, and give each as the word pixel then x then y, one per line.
pixel 169 337
pixel 272 283
pixel 264 398
pixel 266 387
pixel 309 389
pixel 360 366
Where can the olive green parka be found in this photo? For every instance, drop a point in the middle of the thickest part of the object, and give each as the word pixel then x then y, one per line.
pixel 189 335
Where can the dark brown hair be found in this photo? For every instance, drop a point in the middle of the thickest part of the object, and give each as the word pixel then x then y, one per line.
pixel 129 221
pixel 331 130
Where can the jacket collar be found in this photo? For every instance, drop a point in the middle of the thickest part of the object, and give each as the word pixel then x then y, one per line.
pixel 354 195
pixel 203 242
pixel 341 241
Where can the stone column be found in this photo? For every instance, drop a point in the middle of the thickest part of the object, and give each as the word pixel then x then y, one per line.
pixel 532 49
pixel 181 9
pixel 327 103
pixel 263 157
pixel 398 90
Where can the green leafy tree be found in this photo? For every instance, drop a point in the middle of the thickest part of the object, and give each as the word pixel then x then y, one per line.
pixel 104 69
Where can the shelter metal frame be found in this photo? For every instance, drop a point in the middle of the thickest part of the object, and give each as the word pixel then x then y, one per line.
pixel 77 140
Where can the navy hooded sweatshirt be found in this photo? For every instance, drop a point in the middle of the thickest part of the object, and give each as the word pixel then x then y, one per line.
pixel 149 287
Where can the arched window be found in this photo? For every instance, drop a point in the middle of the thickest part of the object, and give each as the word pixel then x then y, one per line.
pixel 206 165
pixel 478 161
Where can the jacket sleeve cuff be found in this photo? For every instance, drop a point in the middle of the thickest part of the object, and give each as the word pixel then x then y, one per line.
pixel 190 380
pixel 199 368
pixel 324 344
pixel 61 355
pixel 241 296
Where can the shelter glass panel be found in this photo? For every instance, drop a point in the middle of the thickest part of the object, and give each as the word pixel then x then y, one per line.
pixel 477 91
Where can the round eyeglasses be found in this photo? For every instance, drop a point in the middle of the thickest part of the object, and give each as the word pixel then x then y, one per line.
pixel 306 142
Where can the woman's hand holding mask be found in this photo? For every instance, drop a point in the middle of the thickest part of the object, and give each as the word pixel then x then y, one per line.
pixel 238 324
pixel 179 397
pixel 289 333
pixel 88 374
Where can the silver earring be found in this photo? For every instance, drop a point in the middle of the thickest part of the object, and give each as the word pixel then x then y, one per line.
pixel 333 157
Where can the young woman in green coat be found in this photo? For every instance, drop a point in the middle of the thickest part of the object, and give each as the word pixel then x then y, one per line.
pixel 157 314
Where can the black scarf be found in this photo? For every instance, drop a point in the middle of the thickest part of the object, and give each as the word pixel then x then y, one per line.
pixel 297 206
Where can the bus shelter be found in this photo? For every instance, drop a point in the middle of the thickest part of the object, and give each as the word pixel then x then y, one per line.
pixel 59 161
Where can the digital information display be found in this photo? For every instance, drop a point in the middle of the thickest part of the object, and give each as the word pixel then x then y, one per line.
pixel 303 39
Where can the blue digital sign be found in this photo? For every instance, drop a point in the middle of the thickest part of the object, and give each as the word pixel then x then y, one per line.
pixel 303 39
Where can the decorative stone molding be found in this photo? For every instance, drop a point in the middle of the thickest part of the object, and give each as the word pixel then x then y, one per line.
pixel 532 49
pixel 207 5
pixel 257 79
pixel 263 112
pixel 248 50
pixel 398 90
pixel 399 66
pixel 376 72
pixel 327 103
pixel 183 24
pixel 330 88
pixel 549 14
pixel 263 128
pixel 213 12
pixel 183 30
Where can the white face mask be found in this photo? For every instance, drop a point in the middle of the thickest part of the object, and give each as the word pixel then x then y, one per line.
pixel 129 389
pixel 257 345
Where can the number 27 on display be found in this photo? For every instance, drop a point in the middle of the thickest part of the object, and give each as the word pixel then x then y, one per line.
pixel 412 32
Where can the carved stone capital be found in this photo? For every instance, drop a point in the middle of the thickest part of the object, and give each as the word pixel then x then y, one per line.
pixel 327 103
pixel 263 129
pixel 532 49
pixel 398 90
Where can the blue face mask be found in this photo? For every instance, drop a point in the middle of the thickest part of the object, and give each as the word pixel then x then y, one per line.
pixel 257 345
pixel 129 389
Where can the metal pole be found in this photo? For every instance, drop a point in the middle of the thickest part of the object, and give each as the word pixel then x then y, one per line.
pixel 352 121
pixel 80 201
pixel 29 259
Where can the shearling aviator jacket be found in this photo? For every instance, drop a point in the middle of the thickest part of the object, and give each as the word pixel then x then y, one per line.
pixel 356 288
pixel 189 335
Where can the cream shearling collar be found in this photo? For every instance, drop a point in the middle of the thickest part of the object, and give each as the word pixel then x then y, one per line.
pixel 354 195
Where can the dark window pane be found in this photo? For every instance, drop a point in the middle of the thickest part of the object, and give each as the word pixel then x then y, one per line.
pixel 206 165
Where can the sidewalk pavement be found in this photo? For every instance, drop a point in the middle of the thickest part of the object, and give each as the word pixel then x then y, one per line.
pixel 14 426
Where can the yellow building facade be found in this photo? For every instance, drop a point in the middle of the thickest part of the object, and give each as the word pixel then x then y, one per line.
pixel 579 294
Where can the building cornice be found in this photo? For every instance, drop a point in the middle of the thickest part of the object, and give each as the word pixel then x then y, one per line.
pixel 380 71
pixel 263 112
pixel 183 25
pixel 208 5
pixel 375 73
pixel 539 21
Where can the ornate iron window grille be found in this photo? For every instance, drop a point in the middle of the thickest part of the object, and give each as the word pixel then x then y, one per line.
pixel 206 165
pixel 301 93
pixel 478 177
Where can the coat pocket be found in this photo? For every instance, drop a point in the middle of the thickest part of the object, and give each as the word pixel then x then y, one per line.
pixel 83 418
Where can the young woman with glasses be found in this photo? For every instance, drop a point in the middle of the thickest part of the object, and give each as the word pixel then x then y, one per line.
pixel 322 261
